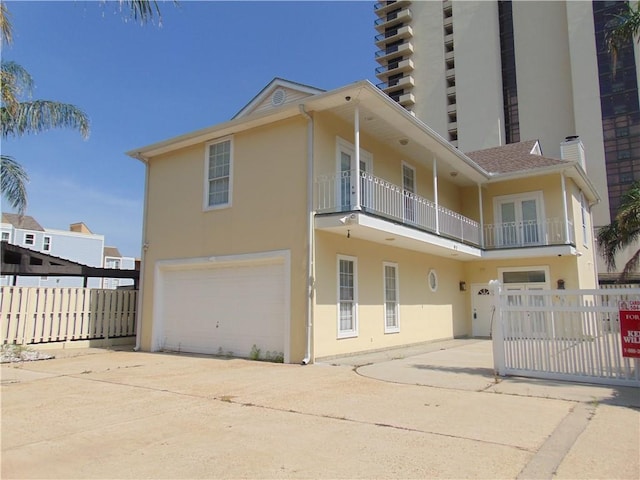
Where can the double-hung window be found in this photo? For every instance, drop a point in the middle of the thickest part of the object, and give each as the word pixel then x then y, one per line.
pixel 219 174
pixel 347 297
pixel 46 244
pixel 29 239
pixel 391 320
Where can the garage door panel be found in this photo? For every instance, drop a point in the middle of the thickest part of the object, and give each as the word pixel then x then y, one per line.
pixel 224 309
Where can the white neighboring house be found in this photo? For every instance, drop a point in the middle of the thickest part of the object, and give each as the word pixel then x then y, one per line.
pixel 77 244
pixel 114 259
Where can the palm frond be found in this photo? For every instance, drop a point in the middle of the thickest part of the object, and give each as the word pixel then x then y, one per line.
pixel 6 30
pixel 630 267
pixel 628 216
pixel 621 30
pixel 14 82
pixel 13 183
pixel 41 115
pixel 608 240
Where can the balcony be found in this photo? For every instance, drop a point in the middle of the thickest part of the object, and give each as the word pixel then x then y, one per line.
pixel 407 99
pixel 391 19
pixel 550 231
pixel 404 82
pixel 381 8
pixel 394 50
pixel 393 35
pixel 394 68
pixel 378 197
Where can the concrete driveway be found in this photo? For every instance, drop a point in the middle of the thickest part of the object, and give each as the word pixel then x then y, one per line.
pixel 122 414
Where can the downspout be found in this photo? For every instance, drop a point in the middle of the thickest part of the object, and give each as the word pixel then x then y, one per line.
pixel 310 234
pixel 145 246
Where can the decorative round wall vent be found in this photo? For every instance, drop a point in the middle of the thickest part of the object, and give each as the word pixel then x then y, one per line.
pixel 432 279
pixel 278 97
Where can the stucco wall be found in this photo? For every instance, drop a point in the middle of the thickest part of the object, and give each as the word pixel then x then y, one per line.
pixel 424 315
pixel 268 211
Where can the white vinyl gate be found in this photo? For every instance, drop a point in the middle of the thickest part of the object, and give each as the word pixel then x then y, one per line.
pixel 563 335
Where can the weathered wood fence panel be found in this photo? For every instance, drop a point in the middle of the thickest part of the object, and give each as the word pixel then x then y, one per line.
pixel 32 315
pixel 563 335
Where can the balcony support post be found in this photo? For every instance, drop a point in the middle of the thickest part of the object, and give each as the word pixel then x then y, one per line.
pixel 565 211
pixel 435 194
pixel 356 134
pixel 481 215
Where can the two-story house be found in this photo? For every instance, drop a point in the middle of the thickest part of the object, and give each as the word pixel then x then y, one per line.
pixel 316 224
pixel 78 244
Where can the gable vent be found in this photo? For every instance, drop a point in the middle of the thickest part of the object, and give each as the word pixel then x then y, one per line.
pixel 278 97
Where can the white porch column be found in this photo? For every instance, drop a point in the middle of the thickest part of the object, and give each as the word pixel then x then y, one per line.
pixel 481 215
pixel 564 208
pixel 435 194
pixel 356 134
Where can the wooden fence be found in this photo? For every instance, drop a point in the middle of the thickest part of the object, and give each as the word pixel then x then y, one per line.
pixel 40 315
pixel 563 335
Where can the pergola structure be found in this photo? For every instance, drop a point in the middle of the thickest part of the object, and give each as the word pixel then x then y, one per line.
pixel 20 261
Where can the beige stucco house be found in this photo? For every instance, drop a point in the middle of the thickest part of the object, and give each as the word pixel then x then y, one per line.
pixel 316 224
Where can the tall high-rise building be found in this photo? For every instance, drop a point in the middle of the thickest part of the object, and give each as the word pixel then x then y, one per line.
pixel 487 73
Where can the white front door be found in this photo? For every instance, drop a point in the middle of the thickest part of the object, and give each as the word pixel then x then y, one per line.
pixel 482 307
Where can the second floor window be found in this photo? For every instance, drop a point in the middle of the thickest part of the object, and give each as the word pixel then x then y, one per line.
pixel 219 170
pixel 46 244
pixel 6 236
pixel 29 239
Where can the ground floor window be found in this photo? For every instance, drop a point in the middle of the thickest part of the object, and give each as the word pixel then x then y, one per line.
pixel 391 320
pixel 347 297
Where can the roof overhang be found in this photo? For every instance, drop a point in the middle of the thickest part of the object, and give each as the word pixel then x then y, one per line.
pixel 380 117
pixel 572 170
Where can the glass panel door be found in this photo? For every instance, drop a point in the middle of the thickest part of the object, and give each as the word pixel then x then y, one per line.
pixel 345 181
pixel 408 191
pixel 530 233
pixel 508 230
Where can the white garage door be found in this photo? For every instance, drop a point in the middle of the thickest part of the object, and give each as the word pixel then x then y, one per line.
pixel 225 308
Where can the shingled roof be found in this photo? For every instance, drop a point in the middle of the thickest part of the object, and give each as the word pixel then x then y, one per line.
pixel 514 157
pixel 24 222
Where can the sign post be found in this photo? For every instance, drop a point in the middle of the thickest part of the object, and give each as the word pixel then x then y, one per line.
pixel 630 327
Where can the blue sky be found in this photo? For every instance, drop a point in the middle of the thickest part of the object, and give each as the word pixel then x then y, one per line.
pixel 142 84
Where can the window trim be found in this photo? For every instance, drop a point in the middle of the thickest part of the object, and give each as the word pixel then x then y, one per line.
pixel 432 274
pixel 518 198
pixel 46 247
pixel 33 239
pixel 353 332
pixel 529 268
pixel 8 234
pixel 396 327
pixel 205 200
pixel 584 217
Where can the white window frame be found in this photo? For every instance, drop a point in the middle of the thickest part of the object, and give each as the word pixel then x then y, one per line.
pixel 354 331
pixel 394 328
pixel 46 243
pixel 520 197
pixel 207 180
pixel 31 237
pixel 546 283
pixel 584 213
pixel 432 274
pixel 8 235
pixel 350 149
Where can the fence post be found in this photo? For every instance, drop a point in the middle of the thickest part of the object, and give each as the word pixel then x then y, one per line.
pixel 497 332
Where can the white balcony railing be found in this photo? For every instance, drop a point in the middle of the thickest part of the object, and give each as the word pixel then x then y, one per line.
pixel 336 193
pixel 550 231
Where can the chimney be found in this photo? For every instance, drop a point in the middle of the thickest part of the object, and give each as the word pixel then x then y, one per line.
pixel 572 149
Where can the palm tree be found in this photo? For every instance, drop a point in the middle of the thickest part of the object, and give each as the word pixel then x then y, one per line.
pixel 622 232
pixel 622 29
pixel 33 116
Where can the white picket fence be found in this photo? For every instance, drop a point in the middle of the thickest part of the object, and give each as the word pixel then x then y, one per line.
pixel 563 335
pixel 38 315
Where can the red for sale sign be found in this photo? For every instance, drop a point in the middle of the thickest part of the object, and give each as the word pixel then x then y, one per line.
pixel 630 327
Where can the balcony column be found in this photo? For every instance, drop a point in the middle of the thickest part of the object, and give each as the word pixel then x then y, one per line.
pixel 565 210
pixel 356 136
pixel 481 216
pixel 435 194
